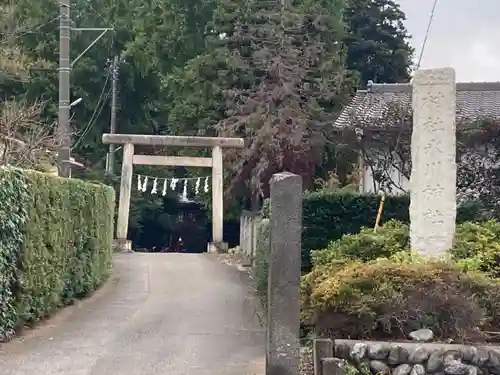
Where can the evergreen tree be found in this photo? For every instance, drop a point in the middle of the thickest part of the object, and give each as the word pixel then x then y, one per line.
pixel 291 84
pixel 377 41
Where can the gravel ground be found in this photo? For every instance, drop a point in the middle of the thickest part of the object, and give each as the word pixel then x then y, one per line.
pixel 306 361
pixel 306 358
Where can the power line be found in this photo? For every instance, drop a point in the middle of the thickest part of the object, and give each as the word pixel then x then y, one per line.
pixel 99 14
pixel 429 24
pixel 97 111
pixel 91 124
pixel 5 75
pixel 14 35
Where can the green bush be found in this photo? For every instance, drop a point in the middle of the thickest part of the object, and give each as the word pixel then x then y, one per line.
pixel 477 246
pixel 328 215
pixel 261 269
pixel 370 285
pixel 391 238
pixel 64 249
pixel 388 299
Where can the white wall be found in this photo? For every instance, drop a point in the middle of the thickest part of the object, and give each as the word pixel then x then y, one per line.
pixel 481 158
pixel 368 185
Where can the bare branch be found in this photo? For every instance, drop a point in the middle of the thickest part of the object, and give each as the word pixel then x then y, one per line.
pixel 25 140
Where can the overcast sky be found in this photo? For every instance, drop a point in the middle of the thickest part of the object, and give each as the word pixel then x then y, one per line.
pixel 465 35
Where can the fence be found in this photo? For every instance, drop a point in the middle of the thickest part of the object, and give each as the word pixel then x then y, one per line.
pixel 248 236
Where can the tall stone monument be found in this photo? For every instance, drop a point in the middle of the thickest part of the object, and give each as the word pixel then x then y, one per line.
pixel 433 155
pixel 283 298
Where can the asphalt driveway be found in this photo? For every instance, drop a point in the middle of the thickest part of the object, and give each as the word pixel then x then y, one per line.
pixel 161 314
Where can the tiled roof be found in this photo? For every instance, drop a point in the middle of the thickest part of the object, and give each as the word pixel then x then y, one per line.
pixel 474 100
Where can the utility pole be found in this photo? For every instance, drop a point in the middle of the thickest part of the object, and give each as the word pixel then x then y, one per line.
pixel 112 125
pixel 64 87
pixel 65 67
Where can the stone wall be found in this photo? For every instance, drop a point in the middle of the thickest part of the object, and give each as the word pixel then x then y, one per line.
pixel 404 358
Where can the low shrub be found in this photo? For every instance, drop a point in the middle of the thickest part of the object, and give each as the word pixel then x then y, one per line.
pixel 61 246
pixel 389 299
pixel 327 216
pixel 389 239
pixel 477 246
pixel 371 286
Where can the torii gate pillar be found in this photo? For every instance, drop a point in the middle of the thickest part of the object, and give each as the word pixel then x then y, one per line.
pixel 215 162
pixel 217 201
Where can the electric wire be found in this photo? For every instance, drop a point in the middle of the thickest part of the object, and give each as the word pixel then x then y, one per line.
pixel 99 14
pixel 102 97
pixel 15 35
pixel 11 37
pixel 97 111
pixel 92 123
pixel 429 24
pixel 87 4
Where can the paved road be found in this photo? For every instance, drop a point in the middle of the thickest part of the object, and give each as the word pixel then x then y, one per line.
pixel 168 314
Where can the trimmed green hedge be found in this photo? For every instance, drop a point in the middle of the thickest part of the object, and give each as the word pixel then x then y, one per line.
pixel 328 216
pixel 261 270
pixel 14 197
pixel 55 244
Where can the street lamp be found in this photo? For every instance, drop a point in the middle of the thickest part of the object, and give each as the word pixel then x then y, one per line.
pixel 77 101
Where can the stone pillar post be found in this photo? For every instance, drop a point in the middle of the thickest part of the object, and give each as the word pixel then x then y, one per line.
pixel 433 153
pixel 283 309
pixel 252 239
pixel 217 201
pixel 124 201
pixel 242 233
pixel 322 348
pixel 248 223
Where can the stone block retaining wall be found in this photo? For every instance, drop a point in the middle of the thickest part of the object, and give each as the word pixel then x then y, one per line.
pixel 331 357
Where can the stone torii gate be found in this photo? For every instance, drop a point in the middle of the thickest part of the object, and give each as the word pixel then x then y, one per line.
pixel 215 162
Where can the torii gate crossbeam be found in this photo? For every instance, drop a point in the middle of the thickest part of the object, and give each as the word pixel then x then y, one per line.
pixel 215 162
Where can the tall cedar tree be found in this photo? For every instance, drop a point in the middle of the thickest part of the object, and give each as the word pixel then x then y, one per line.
pixel 377 41
pixel 292 83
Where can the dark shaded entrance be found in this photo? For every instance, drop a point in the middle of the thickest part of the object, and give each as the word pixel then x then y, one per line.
pixel 160 226
pixel 190 223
